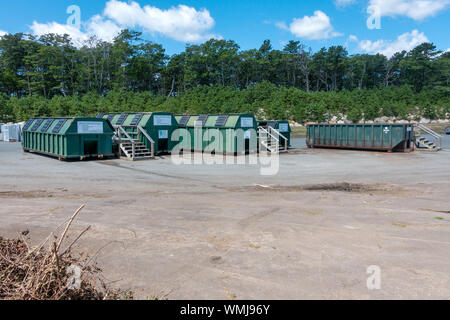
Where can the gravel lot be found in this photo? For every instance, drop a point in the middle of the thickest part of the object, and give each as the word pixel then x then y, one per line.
pixel 226 232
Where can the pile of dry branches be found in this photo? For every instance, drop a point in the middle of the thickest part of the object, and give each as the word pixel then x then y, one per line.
pixel 49 271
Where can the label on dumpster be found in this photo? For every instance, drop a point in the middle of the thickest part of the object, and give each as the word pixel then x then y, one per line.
pixel 386 130
pixel 247 122
pixel 284 127
pixel 90 127
pixel 162 120
pixel 163 134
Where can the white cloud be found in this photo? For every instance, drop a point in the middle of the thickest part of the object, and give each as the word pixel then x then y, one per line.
pixel 344 3
pixel 181 23
pixel 282 25
pixel 2 33
pixel 443 52
pixel 315 27
pixel 406 41
pixel 352 38
pixel 77 36
pixel 414 9
pixel 95 27
pixel 102 28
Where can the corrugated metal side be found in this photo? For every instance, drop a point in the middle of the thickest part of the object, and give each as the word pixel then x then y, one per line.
pixel 383 137
pixel 68 141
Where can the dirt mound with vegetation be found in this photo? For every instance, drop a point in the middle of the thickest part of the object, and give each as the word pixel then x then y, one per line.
pixel 51 271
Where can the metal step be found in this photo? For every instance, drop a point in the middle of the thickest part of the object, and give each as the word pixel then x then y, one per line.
pixel 422 141
pixel 140 150
pixel 136 148
pixel 269 147
pixel 426 143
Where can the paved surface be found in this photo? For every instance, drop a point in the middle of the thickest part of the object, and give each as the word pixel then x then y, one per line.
pixel 226 232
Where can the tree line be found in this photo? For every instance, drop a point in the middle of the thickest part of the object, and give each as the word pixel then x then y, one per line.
pixel 49 76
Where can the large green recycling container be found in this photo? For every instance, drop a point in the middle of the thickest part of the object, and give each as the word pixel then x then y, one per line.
pixel 381 137
pixel 282 126
pixel 159 126
pixel 228 134
pixel 69 138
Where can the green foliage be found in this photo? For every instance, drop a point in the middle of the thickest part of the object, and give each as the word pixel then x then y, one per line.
pixel 49 76
pixel 264 99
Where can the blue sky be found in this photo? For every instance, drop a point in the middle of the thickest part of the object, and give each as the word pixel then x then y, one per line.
pixel 320 23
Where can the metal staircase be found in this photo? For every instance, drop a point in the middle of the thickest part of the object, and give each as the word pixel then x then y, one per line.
pixel 271 140
pixel 133 148
pixel 422 142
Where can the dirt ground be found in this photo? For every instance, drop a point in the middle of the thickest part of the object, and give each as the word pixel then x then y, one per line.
pixel 226 232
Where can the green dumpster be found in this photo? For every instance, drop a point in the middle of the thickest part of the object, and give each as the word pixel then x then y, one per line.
pixel 381 137
pixel 158 125
pixel 69 138
pixel 228 134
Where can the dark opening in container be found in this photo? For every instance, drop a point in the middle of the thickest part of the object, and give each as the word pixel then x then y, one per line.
pixel 163 145
pixel 91 147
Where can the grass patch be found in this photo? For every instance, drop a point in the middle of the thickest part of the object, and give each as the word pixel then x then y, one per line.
pixel 298 132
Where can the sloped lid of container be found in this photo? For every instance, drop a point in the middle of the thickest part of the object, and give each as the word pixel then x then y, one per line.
pixel 58 125
pixel 229 121
pixel 136 119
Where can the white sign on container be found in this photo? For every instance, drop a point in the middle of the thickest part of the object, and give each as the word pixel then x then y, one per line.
pixel 162 120
pixel 90 127
pixel 163 134
pixel 284 127
pixel 247 122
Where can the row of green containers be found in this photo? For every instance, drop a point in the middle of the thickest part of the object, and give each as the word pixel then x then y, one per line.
pixel 234 132
pixel 233 129
pixel 379 137
pixel 69 138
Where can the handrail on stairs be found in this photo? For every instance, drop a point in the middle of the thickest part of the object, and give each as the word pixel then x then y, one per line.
pixel 286 141
pixel 121 130
pixel 437 137
pixel 268 133
pixel 152 142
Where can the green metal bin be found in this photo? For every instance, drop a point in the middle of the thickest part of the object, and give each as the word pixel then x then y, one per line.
pixel 69 138
pixel 381 137
pixel 158 125
pixel 228 134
